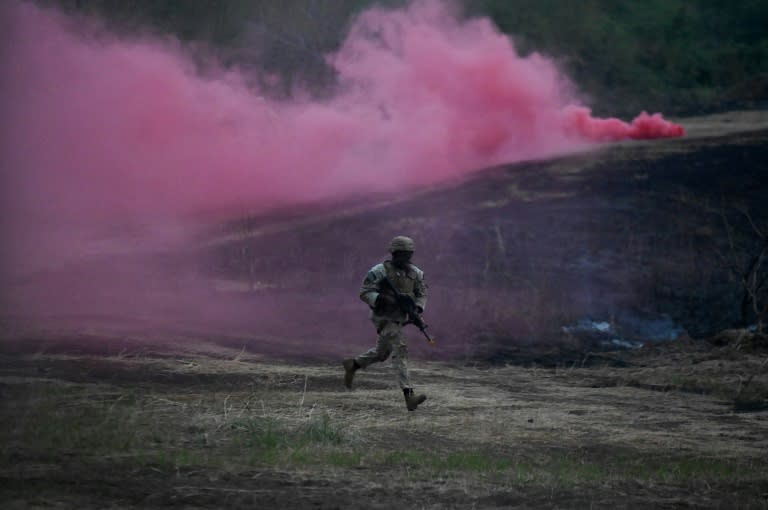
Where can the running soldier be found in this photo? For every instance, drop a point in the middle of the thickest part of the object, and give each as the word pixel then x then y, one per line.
pixel 388 317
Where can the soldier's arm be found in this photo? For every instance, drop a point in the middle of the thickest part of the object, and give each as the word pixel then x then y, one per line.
pixel 369 290
pixel 420 291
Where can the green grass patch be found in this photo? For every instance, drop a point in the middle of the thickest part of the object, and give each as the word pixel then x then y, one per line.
pixel 453 461
pixel 46 423
pixel 344 458
pixel 661 469
pixel 470 461
pixel 322 430
pixel 261 433
pixel 266 440
pixel 571 470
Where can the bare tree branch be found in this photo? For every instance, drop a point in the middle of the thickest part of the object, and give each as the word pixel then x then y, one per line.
pixel 728 230
pixel 746 213
pixel 746 260
pixel 734 269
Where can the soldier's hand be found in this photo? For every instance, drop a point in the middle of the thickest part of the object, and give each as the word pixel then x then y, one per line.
pixel 385 299
pixel 407 303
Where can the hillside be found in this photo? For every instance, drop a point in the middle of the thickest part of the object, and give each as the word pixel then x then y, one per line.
pixel 632 234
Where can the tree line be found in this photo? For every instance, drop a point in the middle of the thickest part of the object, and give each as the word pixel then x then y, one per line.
pixel 673 55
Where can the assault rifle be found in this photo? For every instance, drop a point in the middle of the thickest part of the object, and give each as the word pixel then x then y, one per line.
pixel 407 305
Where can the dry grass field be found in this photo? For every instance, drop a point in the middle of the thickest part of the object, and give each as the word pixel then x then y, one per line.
pixel 683 424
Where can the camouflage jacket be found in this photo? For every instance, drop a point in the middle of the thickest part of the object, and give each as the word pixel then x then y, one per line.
pixel 407 281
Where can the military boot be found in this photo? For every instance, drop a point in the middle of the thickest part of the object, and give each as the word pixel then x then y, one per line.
pixel 412 401
pixel 350 367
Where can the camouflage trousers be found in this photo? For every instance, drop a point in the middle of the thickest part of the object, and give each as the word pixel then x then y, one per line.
pixel 391 342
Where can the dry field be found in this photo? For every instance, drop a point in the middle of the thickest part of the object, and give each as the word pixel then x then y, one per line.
pixel 678 425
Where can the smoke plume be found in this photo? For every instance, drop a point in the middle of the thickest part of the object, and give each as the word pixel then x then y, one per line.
pixel 112 145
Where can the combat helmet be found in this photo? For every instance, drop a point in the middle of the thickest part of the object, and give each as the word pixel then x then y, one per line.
pixel 401 243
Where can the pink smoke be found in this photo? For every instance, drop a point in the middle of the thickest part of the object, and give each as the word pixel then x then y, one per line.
pixel 105 136
pixel 429 98
pixel 579 121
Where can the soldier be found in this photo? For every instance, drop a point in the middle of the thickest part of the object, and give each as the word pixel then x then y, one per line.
pixel 388 317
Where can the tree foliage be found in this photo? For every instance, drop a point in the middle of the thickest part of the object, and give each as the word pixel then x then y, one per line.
pixel 665 53
pixel 674 55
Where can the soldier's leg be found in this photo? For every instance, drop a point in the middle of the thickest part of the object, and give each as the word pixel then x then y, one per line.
pixel 383 346
pixel 379 353
pixel 399 355
pixel 400 364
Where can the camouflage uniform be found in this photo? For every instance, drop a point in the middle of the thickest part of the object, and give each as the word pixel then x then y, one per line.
pixel 389 320
pixel 387 287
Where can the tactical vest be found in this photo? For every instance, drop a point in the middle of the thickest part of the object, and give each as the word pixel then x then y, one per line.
pixel 404 280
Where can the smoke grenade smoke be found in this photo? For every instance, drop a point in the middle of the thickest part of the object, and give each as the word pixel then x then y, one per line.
pixel 112 145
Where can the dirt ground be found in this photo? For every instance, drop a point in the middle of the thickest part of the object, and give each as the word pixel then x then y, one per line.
pixel 659 427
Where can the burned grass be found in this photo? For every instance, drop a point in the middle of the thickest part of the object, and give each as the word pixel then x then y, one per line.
pixel 198 432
